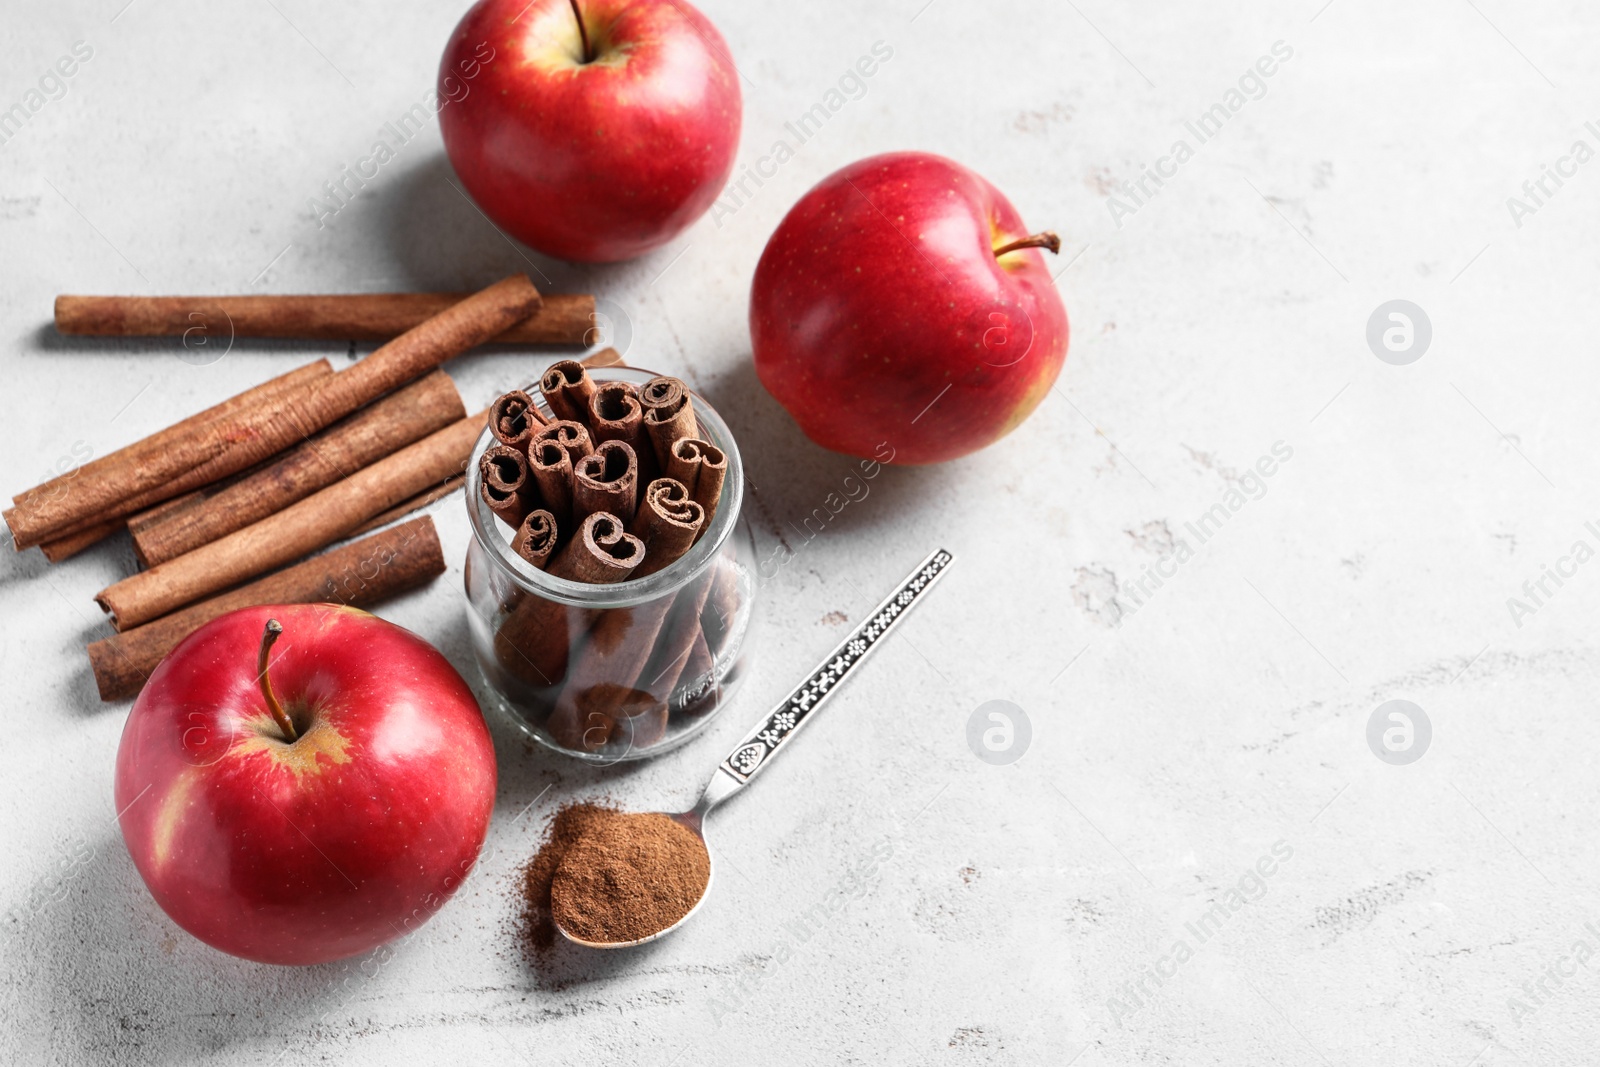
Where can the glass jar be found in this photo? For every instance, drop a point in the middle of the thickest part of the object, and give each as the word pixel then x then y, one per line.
pixel 694 616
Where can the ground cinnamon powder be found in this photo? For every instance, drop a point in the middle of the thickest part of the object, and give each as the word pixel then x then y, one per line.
pixel 609 876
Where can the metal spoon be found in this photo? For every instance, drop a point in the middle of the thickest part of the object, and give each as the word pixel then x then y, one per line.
pixel 761 744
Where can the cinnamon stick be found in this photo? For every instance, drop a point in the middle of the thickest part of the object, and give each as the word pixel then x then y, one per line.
pixel 505 484
pixel 552 456
pixel 535 540
pixel 514 419
pixel 149 449
pixel 567 387
pixel 235 441
pixel 356 575
pixel 695 632
pixel 682 646
pixel 701 466
pixel 562 319
pixel 318 520
pixel 151 507
pixel 668 415
pixel 615 414
pixel 668 523
pixel 163 511
pixel 73 542
pixel 534 641
pixel 601 552
pixel 606 480
pixel 81 537
pixel 428 404
pixel 421 500
pixel 622 640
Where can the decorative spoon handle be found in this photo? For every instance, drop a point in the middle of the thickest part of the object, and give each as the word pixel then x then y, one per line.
pixel 784 721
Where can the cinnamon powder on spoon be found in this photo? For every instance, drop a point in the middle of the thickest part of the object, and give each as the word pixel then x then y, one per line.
pixel 609 876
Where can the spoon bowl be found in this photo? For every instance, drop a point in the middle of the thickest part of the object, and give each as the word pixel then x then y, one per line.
pixel 693 821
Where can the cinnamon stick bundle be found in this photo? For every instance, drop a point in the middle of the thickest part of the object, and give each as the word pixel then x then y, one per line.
pixel 426 405
pixel 234 442
pixel 562 319
pixel 357 574
pixel 303 527
pixel 698 630
pixel 534 641
pixel 600 679
pixel 70 540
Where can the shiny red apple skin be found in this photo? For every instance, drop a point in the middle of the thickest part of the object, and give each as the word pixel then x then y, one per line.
pixel 593 162
pixel 882 320
pixel 310 852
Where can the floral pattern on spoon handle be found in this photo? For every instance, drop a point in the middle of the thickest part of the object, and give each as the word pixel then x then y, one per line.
pixel 759 746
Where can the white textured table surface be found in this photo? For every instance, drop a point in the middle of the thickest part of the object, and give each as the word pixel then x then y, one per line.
pixel 1429 913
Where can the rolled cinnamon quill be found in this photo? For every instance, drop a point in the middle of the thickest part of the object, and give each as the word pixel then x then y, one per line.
pixel 148 450
pixel 695 632
pixel 606 480
pixel 426 405
pixel 668 523
pixel 514 419
pixel 562 318
pixel 535 540
pixel 75 541
pixel 534 641
pixel 165 510
pixel 552 455
pixel 679 643
pixel 236 441
pixel 567 387
pixel 303 527
pixel 668 416
pixel 505 484
pixel 357 574
pixel 701 466
pixel 622 640
pixel 615 414
pixel 416 503
pixel 81 537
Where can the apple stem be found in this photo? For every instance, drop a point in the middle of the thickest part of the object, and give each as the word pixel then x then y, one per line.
pixel 270 635
pixel 583 33
pixel 1047 239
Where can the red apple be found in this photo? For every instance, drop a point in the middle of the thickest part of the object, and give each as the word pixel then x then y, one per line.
pixel 902 312
pixel 594 130
pixel 320 847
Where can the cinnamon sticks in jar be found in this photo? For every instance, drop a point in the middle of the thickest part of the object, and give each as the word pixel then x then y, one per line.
pixel 600 680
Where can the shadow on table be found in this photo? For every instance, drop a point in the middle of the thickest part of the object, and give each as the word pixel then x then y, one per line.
pixel 801 493
pixel 438 240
